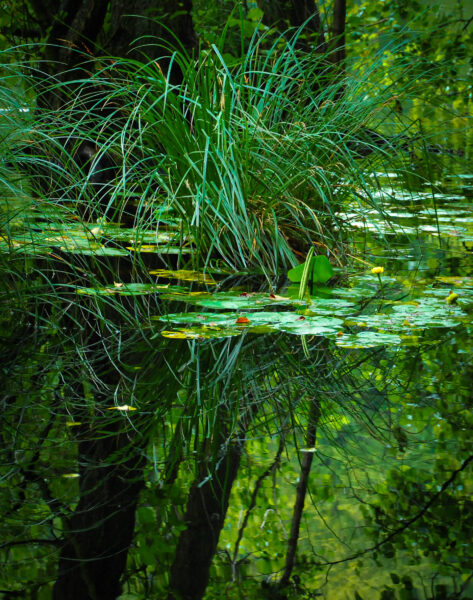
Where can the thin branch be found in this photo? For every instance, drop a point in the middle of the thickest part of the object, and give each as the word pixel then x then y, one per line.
pixel 301 492
pixel 470 20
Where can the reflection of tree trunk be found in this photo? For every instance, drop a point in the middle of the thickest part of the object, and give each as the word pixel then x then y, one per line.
pixel 205 515
pixel 306 463
pixel 100 530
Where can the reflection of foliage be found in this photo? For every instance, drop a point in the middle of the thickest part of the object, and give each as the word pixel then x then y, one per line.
pixel 432 44
pixel 424 510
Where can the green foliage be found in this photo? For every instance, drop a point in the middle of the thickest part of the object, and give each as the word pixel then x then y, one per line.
pixel 432 42
pixel 320 270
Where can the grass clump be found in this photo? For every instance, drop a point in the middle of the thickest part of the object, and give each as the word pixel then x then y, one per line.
pixel 250 162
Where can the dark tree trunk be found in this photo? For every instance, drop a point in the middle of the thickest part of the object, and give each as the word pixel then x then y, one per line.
pixel 338 32
pixel 205 515
pixel 207 507
pixel 137 30
pixel 141 36
pixel 300 11
pixel 74 27
pixel 294 13
pixel 100 531
pixel 306 464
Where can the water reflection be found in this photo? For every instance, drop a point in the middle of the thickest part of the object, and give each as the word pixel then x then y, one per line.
pixel 205 485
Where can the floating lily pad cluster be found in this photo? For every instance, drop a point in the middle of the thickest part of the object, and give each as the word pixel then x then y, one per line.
pixel 374 309
pixel 385 323
pixel 371 308
pixel 400 212
pixel 40 229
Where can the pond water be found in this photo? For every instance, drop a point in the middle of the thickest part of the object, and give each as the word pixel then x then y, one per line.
pixel 369 376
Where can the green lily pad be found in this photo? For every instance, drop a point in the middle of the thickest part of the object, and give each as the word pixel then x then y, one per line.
pixel 332 306
pixel 456 281
pixel 185 275
pixel 95 250
pixel 124 289
pixel 155 249
pixel 193 333
pixel 429 312
pixel 288 322
pixel 232 300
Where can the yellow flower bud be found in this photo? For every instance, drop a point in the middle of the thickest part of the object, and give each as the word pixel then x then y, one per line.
pixel 451 298
pixel 377 270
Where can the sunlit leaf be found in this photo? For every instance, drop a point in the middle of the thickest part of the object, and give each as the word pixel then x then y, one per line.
pixel 321 270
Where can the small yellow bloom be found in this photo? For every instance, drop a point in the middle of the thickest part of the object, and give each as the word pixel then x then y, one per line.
pixel 377 270
pixel 451 298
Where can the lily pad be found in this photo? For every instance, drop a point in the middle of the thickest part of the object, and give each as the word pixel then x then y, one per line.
pixel 125 289
pixel 198 333
pixel 233 301
pixel 288 322
pixel 332 306
pixel 155 249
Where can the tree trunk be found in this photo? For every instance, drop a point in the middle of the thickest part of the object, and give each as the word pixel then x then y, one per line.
pixel 139 28
pixel 100 530
pixel 207 507
pixel 300 11
pixel 306 464
pixel 294 13
pixel 74 27
pixel 338 32
pixel 205 515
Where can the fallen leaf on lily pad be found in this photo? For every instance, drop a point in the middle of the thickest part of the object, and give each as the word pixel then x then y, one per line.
pixel 241 320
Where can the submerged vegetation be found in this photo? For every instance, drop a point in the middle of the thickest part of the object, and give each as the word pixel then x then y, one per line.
pixel 220 378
